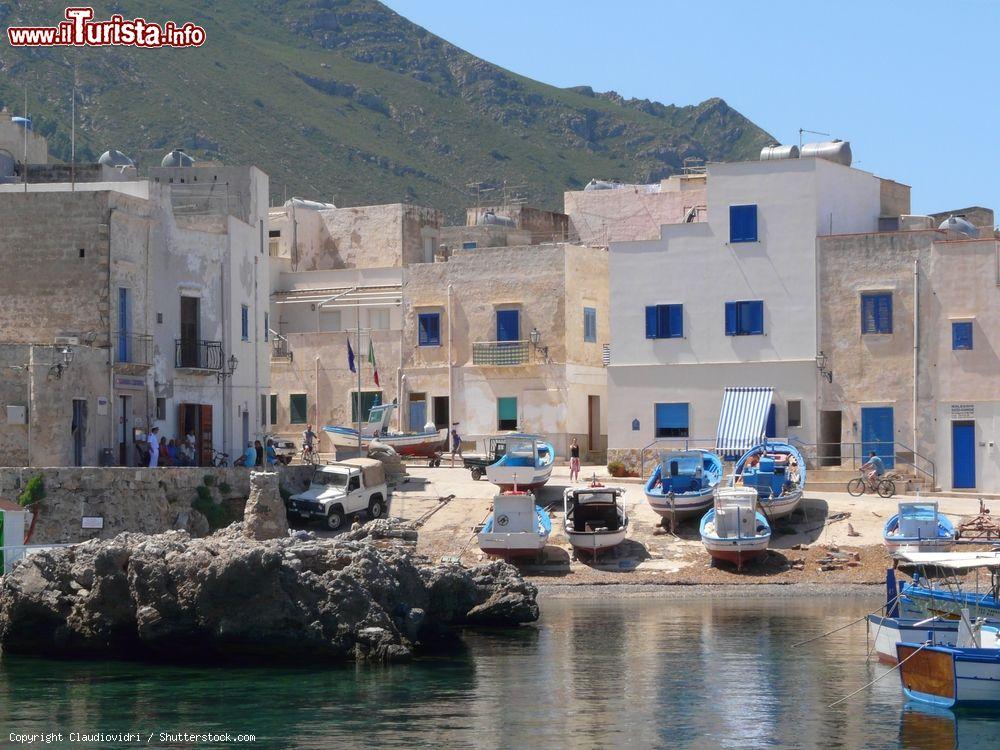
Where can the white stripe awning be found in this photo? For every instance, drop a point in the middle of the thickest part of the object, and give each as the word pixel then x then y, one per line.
pixel 743 418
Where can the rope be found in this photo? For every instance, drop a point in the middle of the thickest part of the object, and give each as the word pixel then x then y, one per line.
pixel 853 622
pixel 890 671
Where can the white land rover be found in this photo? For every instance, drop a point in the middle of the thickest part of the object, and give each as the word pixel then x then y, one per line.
pixel 342 489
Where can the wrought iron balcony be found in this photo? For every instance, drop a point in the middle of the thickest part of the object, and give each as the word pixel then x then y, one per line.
pixel 195 354
pixel 280 350
pixel 133 348
pixel 500 353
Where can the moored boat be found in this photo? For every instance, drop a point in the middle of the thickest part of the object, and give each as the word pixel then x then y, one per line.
pixel 733 530
pixel 886 632
pixel 526 463
pixel 595 517
pixel 945 594
pixel 777 471
pixel 918 527
pixel 516 527
pixel 427 444
pixel 684 483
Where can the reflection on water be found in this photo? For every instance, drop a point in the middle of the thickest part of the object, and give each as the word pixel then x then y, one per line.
pixel 593 673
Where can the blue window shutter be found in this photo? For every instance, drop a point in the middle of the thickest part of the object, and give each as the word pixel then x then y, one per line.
pixel 663 321
pixel 961 335
pixel 429 329
pixel 650 321
pixel 508 325
pixel 755 324
pixel 245 323
pixel 266 324
pixel 867 314
pixel 676 321
pixel 743 223
pixel 885 314
pixel 731 318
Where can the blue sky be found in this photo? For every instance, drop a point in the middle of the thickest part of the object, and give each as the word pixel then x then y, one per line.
pixel 911 84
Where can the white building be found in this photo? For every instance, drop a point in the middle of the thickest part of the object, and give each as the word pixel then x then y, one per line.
pixel 729 299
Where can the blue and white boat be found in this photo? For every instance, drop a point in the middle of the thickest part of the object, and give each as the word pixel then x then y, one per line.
pixel 684 483
pixel 525 465
pixel 734 530
pixel 516 527
pixel 777 471
pixel 918 527
pixel 945 594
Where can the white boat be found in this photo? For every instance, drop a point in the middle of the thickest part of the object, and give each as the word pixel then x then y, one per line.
pixel 427 444
pixel 777 471
pixel 886 632
pixel 734 530
pixel 526 463
pixel 684 483
pixel 516 527
pixel 918 527
pixel 595 517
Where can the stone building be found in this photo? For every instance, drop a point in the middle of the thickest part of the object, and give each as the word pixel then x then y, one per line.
pixel 156 288
pixel 909 329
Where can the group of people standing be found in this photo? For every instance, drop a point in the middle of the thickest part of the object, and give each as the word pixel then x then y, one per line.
pixel 179 452
pixel 258 454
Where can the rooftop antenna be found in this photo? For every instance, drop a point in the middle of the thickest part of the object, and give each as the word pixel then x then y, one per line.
pixel 811 132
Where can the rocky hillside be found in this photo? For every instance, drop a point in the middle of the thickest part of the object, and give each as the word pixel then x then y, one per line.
pixel 345 99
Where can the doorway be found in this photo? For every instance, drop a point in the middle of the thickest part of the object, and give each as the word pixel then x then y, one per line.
pixel 418 412
pixel 830 437
pixel 593 423
pixel 79 430
pixel 197 418
pixel 246 429
pixel 963 455
pixel 878 434
pixel 441 412
pixel 190 316
pixel 125 431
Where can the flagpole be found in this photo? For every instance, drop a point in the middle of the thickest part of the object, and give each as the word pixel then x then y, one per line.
pixel 357 310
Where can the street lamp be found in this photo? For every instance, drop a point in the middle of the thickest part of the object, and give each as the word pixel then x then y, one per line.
pixel 535 336
pixel 232 362
pixel 821 362
pixel 64 361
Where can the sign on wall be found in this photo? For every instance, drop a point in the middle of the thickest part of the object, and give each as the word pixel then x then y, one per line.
pixel 102 406
pixel 92 522
pixel 963 411
pixel 130 382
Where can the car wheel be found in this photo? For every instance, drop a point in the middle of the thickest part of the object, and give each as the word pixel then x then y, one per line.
pixel 334 519
pixel 477 474
pixel 376 507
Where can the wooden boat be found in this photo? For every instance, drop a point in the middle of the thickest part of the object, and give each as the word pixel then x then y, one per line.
pixel 516 527
pixel 684 483
pixel 776 470
pixel 963 675
pixel 734 530
pixel 918 527
pixel 526 463
pixel 886 632
pixel 428 444
pixel 595 517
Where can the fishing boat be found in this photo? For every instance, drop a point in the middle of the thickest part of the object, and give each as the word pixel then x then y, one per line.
pixel 684 483
pixel 527 463
pixel 516 527
pixel 776 470
pixel 886 632
pixel 427 444
pixel 946 594
pixel 964 675
pixel 595 517
pixel 918 527
pixel 733 530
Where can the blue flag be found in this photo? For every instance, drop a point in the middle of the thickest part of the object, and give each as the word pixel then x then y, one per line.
pixel 350 355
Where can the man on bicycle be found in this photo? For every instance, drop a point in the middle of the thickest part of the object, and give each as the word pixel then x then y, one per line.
pixel 308 436
pixel 873 469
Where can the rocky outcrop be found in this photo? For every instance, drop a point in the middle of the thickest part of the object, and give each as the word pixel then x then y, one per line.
pixel 264 516
pixel 224 596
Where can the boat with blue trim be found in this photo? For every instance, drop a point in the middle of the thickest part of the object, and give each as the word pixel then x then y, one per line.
pixel 777 471
pixel 684 483
pixel 427 444
pixel 945 594
pixel 918 527
pixel 516 527
pixel 734 530
pixel 526 463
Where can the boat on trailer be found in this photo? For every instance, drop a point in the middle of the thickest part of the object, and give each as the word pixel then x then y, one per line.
pixel 526 463
pixel 684 483
pixel 777 471
pixel 427 444
pixel 918 527
pixel 734 530
pixel 516 527
pixel 595 518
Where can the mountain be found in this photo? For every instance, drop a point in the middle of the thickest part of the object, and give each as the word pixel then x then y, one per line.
pixel 347 100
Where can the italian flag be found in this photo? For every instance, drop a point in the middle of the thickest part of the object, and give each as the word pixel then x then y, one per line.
pixel 371 359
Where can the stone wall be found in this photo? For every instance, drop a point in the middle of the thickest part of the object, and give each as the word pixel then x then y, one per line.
pixel 129 499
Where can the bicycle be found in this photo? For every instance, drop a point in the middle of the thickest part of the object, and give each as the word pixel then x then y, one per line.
pixel 882 486
pixel 308 456
pixel 219 458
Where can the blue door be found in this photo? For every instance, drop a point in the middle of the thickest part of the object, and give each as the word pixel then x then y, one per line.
pixel 418 415
pixel 124 324
pixel 878 434
pixel 963 455
pixel 771 428
pixel 508 325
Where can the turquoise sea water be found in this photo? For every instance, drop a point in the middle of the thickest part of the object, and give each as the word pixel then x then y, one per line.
pixel 594 673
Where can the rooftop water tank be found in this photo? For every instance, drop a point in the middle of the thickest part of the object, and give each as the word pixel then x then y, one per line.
pixel 835 150
pixel 177 158
pixel 115 158
pixel 770 153
pixel 961 225
pixel 24 122
pixel 489 217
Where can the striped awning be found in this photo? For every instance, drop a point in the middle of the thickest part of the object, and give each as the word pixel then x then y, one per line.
pixel 743 418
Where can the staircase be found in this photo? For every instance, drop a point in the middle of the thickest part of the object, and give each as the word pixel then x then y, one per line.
pixel 835 479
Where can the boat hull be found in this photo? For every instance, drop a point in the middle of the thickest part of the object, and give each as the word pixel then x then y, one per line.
pixel 524 477
pixel 593 542
pixel 946 677
pixel 424 445
pixel 782 506
pixel 918 602
pixel 736 551
pixel 887 632
pixel 510 545
pixel 901 544
pixel 686 505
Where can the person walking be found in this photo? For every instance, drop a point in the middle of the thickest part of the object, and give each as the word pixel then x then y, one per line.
pixel 153 441
pixel 259 449
pixel 456 444
pixel 574 461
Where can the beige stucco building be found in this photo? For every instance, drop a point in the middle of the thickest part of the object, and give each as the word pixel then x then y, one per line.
pixel 909 328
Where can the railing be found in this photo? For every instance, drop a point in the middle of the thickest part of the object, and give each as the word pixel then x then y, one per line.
pixel 280 350
pixel 196 354
pixel 133 348
pixel 854 456
pixel 499 353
